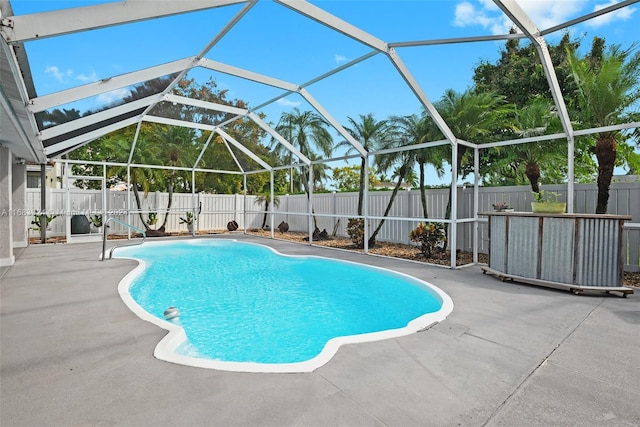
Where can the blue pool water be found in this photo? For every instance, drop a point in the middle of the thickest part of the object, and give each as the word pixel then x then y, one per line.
pixel 242 302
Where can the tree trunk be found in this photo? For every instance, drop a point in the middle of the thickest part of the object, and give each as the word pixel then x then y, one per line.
pixel 170 201
pixel 136 195
pixel 361 189
pixel 403 171
pixel 606 155
pixel 533 174
pixel 461 150
pixel 306 190
pixel 266 210
pixel 423 193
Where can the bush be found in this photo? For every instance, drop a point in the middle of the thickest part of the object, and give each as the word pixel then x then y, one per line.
pixel 355 230
pixel 430 236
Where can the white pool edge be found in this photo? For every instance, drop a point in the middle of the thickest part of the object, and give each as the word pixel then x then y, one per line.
pixel 165 349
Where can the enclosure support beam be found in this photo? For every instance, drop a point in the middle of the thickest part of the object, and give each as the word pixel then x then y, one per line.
pixel 55 99
pixel 453 225
pixel 476 196
pixel 310 205
pixel 272 196
pixel 365 206
pixel 37 26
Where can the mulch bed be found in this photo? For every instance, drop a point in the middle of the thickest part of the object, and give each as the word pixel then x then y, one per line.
pixel 394 250
pixel 397 250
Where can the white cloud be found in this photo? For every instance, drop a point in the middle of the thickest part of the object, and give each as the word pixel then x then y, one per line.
pixel 57 74
pixel 543 13
pixel 114 96
pixel 339 58
pixel 286 103
pixel 87 78
pixel 623 14
pixel 467 14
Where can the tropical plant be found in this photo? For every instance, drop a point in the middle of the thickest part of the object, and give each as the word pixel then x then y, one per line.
pixel 96 220
pixel 430 237
pixel 608 87
pixel 417 130
pixel 544 196
pixel 307 131
pixel 152 219
pixel 373 135
pixel 37 220
pixel 187 218
pixel 174 142
pixel 475 117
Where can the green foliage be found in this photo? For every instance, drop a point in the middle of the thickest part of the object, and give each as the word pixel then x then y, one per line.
pixel 96 220
pixel 152 218
pixel 546 196
pixel 37 220
pixel 430 237
pixel 307 132
pixel 518 73
pixel 187 218
pixel 347 178
pixel 373 135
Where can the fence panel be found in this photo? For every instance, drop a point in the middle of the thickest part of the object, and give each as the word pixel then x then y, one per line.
pixel 334 209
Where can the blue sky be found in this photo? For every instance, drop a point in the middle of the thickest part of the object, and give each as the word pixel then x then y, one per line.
pixel 276 41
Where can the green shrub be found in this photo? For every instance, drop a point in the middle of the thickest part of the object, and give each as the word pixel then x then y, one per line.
pixel 430 237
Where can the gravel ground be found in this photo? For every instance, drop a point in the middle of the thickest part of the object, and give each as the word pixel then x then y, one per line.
pixel 405 251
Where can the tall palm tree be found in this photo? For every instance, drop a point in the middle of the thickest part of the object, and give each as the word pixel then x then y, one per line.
pixel 475 117
pixel 175 143
pixel 419 129
pixel 372 135
pixel 307 131
pixel 608 87
pixel 141 178
pixel 536 118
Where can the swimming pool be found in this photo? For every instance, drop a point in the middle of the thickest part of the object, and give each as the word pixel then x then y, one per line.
pixel 246 307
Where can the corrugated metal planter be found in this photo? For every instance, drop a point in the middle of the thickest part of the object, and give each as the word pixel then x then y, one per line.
pixel 564 251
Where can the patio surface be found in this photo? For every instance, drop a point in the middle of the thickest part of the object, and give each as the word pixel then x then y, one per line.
pixel 71 353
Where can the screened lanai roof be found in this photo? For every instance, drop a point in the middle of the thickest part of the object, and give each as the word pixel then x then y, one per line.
pixel 273 55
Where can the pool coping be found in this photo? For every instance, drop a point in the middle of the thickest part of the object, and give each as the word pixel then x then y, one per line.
pixel 176 336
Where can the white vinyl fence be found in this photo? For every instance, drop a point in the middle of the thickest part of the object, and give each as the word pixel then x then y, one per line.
pixel 332 211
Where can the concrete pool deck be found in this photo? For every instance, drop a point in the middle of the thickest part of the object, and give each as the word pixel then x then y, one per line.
pixel 71 353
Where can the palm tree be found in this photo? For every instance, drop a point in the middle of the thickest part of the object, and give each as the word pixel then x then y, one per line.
pixel 536 118
pixel 373 135
pixel 419 129
pixel 141 178
pixel 608 87
pixel 475 117
pixel 307 131
pixel 266 199
pixel 172 141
